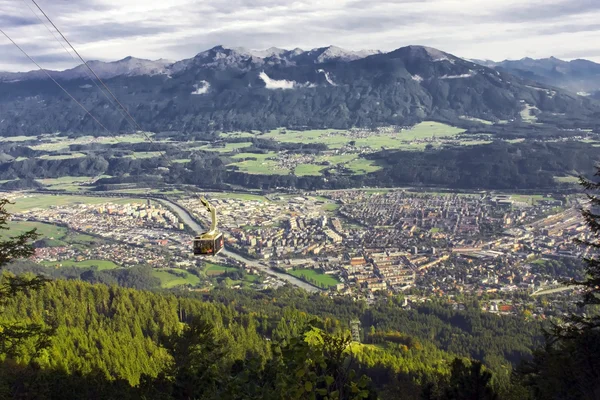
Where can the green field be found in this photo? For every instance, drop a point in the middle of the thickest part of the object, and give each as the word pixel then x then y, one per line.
pixel 313 275
pixel 215 269
pixel 336 139
pixel 308 169
pixel 567 179
pixel 169 280
pixel 261 165
pixel 101 264
pixel 535 198
pixel 69 183
pixel 61 156
pixel 336 159
pixel 53 235
pixel 17 138
pixel 362 166
pixel 331 207
pixel 48 231
pixel 58 143
pixel 47 200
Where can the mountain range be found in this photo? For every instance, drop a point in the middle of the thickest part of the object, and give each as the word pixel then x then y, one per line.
pixel 579 76
pixel 217 56
pixel 236 89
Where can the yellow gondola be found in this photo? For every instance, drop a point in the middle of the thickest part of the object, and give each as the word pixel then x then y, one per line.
pixel 209 243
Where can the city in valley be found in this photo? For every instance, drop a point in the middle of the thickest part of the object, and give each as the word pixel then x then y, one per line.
pixel 508 250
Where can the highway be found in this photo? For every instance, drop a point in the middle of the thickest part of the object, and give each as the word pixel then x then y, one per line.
pixel 189 221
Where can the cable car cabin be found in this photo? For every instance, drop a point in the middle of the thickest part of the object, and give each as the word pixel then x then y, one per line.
pixel 208 244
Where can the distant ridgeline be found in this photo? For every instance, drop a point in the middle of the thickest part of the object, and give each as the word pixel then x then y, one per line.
pixel 110 338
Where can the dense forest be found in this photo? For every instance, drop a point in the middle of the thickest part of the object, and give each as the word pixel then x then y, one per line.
pixel 118 334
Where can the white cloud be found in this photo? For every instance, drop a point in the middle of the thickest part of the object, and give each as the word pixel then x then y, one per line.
pixel 177 29
pixel 275 84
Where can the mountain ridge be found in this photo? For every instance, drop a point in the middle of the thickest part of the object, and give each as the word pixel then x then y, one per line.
pixel 579 75
pixel 224 89
pixel 132 66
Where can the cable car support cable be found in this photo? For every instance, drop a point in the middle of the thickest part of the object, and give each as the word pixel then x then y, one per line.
pixel 54 80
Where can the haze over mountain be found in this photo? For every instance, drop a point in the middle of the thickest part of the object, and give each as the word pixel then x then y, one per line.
pixel 579 76
pixel 231 89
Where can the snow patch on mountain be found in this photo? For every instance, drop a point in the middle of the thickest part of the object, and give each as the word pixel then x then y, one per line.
pixel 417 78
pixel 327 77
pixel 468 75
pixel 201 87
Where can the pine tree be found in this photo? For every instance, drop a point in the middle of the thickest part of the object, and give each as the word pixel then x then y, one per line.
pixel 591 284
pixel 13 335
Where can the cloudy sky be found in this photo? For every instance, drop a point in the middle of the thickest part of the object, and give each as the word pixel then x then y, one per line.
pixel 177 29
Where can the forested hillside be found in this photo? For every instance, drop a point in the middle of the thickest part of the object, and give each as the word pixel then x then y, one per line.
pixel 224 90
pixel 128 335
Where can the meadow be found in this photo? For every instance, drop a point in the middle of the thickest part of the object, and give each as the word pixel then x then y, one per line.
pixel 215 269
pixel 311 275
pixel 101 264
pixel 260 164
pixel 336 139
pixel 169 277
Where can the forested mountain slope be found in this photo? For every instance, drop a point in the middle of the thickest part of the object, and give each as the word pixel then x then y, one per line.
pixel 130 337
pixel 223 89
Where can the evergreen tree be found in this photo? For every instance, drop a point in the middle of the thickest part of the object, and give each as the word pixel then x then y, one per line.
pixel 568 366
pixel 13 334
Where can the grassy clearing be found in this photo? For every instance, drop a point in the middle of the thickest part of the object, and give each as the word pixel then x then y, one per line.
pixel 529 199
pixel 17 138
pixel 46 231
pixel 336 139
pixel 215 269
pixel 428 129
pixel 172 277
pixel 61 156
pixel 260 165
pixel 567 179
pixel 70 183
pixel 101 264
pixel 527 115
pixel 56 143
pixel 53 235
pixel 308 169
pixel 362 166
pixel 312 275
pixel 331 207
pixel 336 159
pixel 46 201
